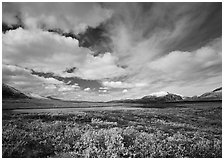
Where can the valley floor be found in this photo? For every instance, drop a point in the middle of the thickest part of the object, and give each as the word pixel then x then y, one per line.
pixel 123 130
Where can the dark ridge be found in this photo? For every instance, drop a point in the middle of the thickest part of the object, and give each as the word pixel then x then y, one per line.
pixel 218 89
pixel 9 92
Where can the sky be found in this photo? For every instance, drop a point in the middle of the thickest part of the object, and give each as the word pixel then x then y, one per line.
pixel 108 51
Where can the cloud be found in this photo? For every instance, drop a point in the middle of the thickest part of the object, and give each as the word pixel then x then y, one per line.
pixel 50 80
pixel 49 87
pixel 185 73
pixel 103 91
pixel 145 31
pixel 87 89
pixel 10 13
pixel 25 81
pixel 201 68
pixel 125 91
pixel 173 47
pixel 22 79
pixel 76 86
pixel 166 44
pixel 97 68
pixel 74 82
pixel 104 88
pixel 41 51
pixel 199 64
pixel 119 84
pixel 75 17
pixel 65 88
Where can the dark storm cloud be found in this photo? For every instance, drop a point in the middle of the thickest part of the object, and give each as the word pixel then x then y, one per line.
pixel 96 39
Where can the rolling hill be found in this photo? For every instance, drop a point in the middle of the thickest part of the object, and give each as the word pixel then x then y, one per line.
pixel 9 92
pixel 162 97
pixel 213 95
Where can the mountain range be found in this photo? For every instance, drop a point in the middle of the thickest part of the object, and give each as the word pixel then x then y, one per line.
pixel 215 95
pixel 9 92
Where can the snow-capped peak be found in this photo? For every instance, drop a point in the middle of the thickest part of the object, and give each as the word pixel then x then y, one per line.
pixel 159 94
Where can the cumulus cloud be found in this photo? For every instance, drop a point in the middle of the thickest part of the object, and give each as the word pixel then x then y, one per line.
pixel 41 51
pixel 97 68
pixel 75 17
pixel 65 88
pixel 51 86
pixel 103 91
pixel 103 88
pixel 125 91
pixel 119 84
pixel 50 80
pixel 199 64
pixel 87 89
pixel 23 79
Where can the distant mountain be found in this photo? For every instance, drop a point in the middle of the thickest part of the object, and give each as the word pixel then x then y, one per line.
pixel 213 95
pixel 170 97
pixel 194 98
pixel 162 97
pixel 218 90
pixel 154 97
pixel 9 92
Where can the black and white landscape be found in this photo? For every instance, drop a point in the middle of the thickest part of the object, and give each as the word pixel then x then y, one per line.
pixel 105 80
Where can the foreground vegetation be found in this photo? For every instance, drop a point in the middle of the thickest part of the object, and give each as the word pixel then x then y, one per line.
pixel 193 130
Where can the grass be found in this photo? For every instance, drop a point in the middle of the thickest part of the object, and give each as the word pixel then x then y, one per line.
pixel 189 130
